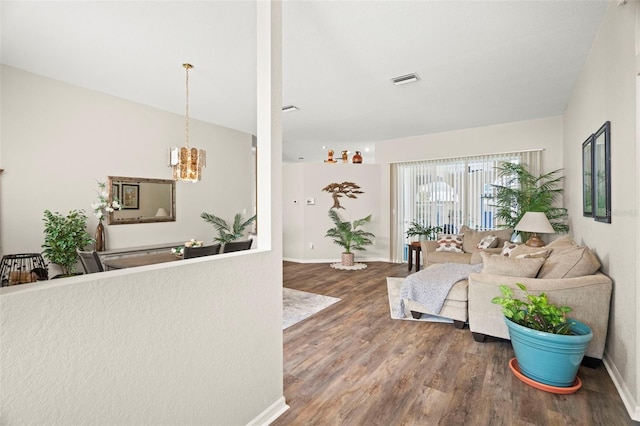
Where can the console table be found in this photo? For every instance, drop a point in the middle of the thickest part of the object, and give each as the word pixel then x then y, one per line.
pixel 132 256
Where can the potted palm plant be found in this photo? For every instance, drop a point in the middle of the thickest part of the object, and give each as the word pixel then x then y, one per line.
pixel 423 232
pixel 63 236
pixel 521 191
pixel 226 232
pixel 548 346
pixel 348 236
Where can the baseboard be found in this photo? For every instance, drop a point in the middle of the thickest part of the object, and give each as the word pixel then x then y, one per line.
pixel 270 414
pixel 627 398
pixel 358 259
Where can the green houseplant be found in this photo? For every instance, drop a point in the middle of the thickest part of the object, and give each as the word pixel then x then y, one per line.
pixel 349 235
pixel 549 347
pixel 522 192
pixel 63 236
pixel 226 232
pixel 423 232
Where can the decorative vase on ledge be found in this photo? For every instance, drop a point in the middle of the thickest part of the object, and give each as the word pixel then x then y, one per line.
pixel 357 158
pixel 100 238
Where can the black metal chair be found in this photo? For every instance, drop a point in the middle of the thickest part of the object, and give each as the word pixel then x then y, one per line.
pixel 191 252
pixel 237 246
pixel 91 262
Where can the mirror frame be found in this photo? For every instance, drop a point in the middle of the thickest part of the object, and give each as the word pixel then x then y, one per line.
pixel 136 180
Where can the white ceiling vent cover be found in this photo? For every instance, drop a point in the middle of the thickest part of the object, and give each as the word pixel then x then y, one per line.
pixel 404 79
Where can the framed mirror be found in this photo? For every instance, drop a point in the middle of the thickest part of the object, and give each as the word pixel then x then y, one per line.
pixel 602 174
pixel 143 200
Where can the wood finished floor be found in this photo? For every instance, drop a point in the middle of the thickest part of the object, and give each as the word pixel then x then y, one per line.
pixel 351 364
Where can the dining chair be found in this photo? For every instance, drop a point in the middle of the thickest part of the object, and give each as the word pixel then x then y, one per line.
pixel 191 252
pixel 237 246
pixel 90 261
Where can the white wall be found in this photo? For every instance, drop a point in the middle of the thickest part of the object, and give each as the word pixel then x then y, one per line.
pixel 306 225
pixel 58 139
pixel 544 133
pixel 606 90
pixel 179 344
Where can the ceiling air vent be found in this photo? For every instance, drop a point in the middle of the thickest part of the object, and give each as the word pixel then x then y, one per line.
pixel 404 79
pixel 290 108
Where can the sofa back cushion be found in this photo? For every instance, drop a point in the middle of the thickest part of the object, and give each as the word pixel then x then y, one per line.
pixel 524 250
pixel 570 262
pixel 472 237
pixel 512 267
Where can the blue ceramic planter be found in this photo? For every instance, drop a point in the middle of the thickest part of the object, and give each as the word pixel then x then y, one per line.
pixel 552 359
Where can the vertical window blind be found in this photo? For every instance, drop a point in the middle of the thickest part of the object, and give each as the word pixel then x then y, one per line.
pixel 449 192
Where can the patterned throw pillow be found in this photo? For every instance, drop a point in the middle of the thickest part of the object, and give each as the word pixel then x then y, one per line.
pixel 450 242
pixel 507 248
pixel 487 242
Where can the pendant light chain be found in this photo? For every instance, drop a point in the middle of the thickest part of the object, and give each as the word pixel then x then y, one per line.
pixel 186 115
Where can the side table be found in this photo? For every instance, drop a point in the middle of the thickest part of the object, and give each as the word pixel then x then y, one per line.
pixel 414 247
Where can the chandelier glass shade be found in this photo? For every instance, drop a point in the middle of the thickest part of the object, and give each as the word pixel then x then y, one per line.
pixel 187 162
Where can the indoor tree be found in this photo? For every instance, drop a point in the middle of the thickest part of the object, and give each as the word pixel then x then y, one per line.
pixel 521 192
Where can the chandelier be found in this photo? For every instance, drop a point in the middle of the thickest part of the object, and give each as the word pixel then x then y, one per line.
pixel 187 162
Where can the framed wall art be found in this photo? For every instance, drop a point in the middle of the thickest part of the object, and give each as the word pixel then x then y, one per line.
pixel 601 152
pixel 587 177
pixel 130 196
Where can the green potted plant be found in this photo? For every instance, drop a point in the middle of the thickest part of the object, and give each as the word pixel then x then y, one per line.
pixel 348 235
pixel 548 346
pixel 522 192
pixel 226 232
pixel 423 232
pixel 63 236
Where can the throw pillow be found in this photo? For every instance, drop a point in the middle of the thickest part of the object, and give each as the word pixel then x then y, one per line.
pixel 508 247
pixel 570 263
pixel 450 242
pixel 472 237
pixel 489 241
pixel 511 267
pixel 524 250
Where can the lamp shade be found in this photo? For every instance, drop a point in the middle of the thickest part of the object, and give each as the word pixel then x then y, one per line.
pixel 535 222
pixel 162 212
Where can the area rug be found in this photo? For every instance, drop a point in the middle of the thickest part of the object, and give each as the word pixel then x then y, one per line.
pixel 299 305
pixel 393 291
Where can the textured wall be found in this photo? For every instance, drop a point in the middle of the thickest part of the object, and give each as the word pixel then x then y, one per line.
pixel 606 90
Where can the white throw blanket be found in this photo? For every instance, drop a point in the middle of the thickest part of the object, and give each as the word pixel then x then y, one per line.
pixel 430 286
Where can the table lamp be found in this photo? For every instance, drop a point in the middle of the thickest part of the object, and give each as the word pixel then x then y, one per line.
pixel 162 213
pixel 535 223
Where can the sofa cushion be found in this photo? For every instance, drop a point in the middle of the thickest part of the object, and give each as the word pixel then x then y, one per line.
pixel 569 263
pixel 450 242
pixel 448 257
pixel 476 255
pixel 510 266
pixel 472 237
pixel 564 241
pixel 488 241
pixel 524 250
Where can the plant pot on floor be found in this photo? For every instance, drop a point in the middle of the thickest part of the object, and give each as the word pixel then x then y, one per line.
pixel 552 359
pixel 347 259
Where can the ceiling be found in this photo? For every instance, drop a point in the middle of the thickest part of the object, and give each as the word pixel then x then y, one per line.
pixel 480 62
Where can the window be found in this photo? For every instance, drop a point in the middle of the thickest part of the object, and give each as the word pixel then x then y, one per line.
pixel 450 192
